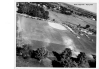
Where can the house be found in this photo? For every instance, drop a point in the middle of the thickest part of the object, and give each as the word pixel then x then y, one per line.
pixel 90 33
pixel 84 30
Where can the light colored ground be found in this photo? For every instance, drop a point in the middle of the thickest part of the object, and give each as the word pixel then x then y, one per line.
pixel 56 26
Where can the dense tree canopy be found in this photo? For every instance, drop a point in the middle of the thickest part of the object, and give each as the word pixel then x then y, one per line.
pixel 39 53
pixel 32 10
pixel 82 60
pixel 63 59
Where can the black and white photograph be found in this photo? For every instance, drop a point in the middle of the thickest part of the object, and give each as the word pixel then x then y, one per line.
pixel 56 34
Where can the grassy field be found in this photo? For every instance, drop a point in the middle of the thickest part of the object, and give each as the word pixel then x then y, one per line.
pixel 38 33
pixel 20 62
pixel 72 19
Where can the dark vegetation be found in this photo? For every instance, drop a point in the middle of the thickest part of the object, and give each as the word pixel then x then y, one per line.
pixel 66 11
pixel 23 51
pixel 39 53
pixel 66 59
pixel 26 52
pixel 78 28
pixel 63 59
pixel 92 63
pixel 32 10
pixel 55 7
pixel 88 28
pixel 36 9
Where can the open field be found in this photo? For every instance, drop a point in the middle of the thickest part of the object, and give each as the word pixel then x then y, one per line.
pixel 39 33
pixel 72 19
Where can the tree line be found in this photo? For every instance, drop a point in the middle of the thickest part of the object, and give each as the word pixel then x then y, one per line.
pixel 32 10
pixel 63 59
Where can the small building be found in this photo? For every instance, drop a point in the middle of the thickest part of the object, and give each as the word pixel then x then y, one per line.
pixel 84 30
pixel 90 33
pixel 38 4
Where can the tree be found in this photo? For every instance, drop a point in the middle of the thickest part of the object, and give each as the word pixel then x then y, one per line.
pixel 45 15
pixel 23 51
pixel 18 51
pixel 67 62
pixel 94 57
pixel 32 10
pixel 66 11
pixel 82 60
pixel 87 26
pixel 56 63
pixel 64 59
pixel 39 53
pixel 57 55
pixel 92 63
pixel 66 53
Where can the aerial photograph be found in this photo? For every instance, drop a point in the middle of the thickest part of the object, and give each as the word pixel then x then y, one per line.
pixel 56 34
